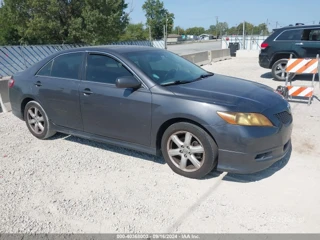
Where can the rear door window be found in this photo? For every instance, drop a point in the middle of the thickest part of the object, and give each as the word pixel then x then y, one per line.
pixel 311 35
pixel 64 66
pixel 290 35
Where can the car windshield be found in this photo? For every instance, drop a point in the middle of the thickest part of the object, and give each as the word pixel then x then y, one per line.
pixel 166 68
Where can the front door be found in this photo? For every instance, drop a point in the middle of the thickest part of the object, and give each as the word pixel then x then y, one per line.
pixel 57 88
pixel 122 114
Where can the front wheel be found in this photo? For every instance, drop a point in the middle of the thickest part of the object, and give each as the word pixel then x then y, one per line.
pixel 279 70
pixel 37 121
pixel 189 150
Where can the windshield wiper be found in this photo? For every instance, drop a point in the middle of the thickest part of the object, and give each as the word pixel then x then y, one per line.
pixel 209 74
pixel 176 83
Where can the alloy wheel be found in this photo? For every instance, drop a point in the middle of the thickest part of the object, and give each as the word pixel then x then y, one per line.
pixel 185 151
pixel 281 70
pixel 35 120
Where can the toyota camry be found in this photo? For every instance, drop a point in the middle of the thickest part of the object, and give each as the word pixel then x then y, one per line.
pixel 154 101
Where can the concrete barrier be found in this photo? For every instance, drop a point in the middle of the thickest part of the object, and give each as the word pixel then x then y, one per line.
pixel 219 55
pixel 203 58
pixel 200 58
pixel 5 105
pixel 247 53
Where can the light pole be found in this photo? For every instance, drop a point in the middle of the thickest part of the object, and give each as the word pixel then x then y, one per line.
pixel 166 32
pixel 244 39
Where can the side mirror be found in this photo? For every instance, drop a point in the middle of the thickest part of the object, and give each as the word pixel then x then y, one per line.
pixel 128 82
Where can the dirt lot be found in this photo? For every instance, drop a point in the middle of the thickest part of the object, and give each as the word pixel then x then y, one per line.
pixel 67 184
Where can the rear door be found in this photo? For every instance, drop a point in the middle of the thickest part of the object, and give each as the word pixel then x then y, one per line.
pixel 123 114
pixel 311 42
pixel 56 86
pixel 289 41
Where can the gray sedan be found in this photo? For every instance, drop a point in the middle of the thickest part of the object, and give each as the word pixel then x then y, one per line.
pixel 154 101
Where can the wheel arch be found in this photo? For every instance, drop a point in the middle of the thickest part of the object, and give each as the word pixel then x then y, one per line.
pixel 24 102
pixel 172 121
pixel 280 55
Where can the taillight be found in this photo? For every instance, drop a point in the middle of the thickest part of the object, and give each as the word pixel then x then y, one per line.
pixel 264 45
pixel 11 83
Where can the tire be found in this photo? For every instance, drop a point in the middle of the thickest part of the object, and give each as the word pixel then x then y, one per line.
pixel 197 154
pixel 278 70
pixel 37 121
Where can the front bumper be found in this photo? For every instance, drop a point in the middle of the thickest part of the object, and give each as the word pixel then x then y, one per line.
pixel 246 163
pixel 252 149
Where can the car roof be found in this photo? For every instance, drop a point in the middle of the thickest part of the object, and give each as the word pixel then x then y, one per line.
pixel 297 27
pixel 112 49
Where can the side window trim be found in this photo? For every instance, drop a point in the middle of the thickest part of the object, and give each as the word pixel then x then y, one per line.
pixel 52 61
pixel 84 73
pixel 276 38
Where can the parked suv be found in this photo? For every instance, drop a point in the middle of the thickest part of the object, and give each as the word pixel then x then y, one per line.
pixel 301 41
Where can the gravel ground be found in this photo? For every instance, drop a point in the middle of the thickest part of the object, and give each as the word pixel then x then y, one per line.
pixel 70 185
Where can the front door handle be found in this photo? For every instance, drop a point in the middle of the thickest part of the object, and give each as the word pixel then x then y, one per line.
pixel 299 44
pixel 38 84
pixel 87 91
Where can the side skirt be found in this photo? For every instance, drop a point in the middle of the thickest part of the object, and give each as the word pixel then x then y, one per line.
pixel 106 140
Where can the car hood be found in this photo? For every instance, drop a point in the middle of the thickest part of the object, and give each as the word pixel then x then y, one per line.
pixel 228 91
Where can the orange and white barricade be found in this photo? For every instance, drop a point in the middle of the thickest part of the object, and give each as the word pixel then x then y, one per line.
pixel 302 66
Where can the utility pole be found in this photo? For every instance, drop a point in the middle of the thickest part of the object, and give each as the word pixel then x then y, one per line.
pixel 150 33
pixel 267 24
pixel 164 37
pixel 217 21
pixel 165 32
pixel 244 34
pixel 276 24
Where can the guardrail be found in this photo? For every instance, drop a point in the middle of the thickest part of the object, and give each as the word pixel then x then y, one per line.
pixel 203 58
pixel 5 105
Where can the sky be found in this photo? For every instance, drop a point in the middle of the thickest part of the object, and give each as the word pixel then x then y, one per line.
pixel 203 13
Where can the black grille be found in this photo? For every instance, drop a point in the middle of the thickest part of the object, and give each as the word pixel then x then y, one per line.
pixel 284 117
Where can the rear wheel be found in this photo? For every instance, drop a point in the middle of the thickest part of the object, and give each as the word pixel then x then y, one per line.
pixel 279 70
pixel 189 150
pixel 37 121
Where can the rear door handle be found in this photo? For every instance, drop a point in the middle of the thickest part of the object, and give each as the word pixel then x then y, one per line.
pixel 87 91
pixel 38 84
pixel 299 44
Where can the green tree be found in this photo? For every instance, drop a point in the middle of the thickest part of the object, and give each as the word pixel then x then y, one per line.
pixel 178 30
pixel 12 12
pixel 62 21
pixel 157 16
pixel 212 30
pixel 222 28
pixel 135 32
pixel 248 28
pixel 195 31
pixel 101 21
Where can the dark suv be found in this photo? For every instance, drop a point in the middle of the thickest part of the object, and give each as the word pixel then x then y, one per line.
pixel 301 41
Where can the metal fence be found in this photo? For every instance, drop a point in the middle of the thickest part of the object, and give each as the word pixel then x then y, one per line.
pixel 252 42
pixel 14 59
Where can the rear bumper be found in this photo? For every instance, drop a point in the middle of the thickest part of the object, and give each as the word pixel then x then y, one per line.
pixel 264 61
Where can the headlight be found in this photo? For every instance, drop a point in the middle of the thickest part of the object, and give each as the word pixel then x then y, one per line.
pixel 245 119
